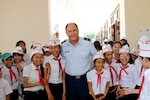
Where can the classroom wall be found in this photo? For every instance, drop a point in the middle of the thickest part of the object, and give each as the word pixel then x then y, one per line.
pixel 26 20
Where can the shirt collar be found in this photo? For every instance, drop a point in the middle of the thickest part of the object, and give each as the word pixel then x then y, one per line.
pixel 34 67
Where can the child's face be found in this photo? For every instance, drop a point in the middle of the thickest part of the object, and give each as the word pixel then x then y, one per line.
pixel 17 58
pixel 8 62
pixel 108 56
pixel 124 58
pixel 0 73
pixel 37 59
pixel 22 46
pixel 99 64
pixel 145 62
pixel 134 57
pixel 116 47
pixel 55 50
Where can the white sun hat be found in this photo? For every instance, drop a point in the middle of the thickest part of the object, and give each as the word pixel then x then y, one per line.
pixel 134 51
pixel 143 39
pixel 98 55
pixel 107 48
pixel 54 41
pixel 18 50
pixel 35 51
pixel 125 48
pixel 144 50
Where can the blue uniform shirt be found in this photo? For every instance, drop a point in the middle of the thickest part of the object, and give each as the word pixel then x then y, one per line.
pixel 78 58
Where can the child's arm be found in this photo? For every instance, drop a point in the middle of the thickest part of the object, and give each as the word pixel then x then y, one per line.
pixel 48 91
pixel 91 90
pixel 27 85
pixel 64 86
pixel 8 97
pixel 106 91
pixel 47 71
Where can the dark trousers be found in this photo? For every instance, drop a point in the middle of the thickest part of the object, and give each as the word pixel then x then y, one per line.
pixel 76 88
pixel 57 90
pixel 14 95
pixel 111 95
pixel 38 95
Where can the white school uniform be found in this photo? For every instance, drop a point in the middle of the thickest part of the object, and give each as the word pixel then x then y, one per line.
pixel 5 89
pixel 54 76
pixel 6 75
pixel 145 92
pixel 113 68
pixel 129 76
pixel 32 74
pixel 92 77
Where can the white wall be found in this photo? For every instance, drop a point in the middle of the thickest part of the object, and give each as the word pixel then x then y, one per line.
pixel 26 20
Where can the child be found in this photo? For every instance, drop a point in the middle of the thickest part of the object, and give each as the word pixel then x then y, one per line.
pixel 127 72
pixel 19 64
pixel 5 88
pixel 143 91
pixel 10 73
pixel 46 49
pixel 26 57
pixel 56 71
pixel 32 77
pixel 112 68
pixel 116 47
pixel 98 78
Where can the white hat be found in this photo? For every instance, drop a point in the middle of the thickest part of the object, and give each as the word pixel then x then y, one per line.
pixel 36 44
pixel 44 44
pixel 107 48
pixel 46 49
pixel 54 41
pixel 144 50
pixel 106 40
pixel 98 55
pixel 18 50
pixel 143 39
pixel 35 51
pixel 133 51
pixel 125 48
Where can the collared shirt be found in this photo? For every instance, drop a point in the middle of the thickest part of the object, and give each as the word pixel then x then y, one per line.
pixel 6 75
pixel 129 76
pixel 145 92
pixel 114 68
pixel 92 77
pixel 54 76
pixel 33 76
pixel 5 89
pixel 78 58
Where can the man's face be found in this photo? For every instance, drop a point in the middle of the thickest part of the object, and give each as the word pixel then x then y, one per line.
pixel 72 32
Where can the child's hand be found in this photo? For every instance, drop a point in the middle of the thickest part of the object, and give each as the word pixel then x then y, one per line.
pixel 47 65
pixel 19 66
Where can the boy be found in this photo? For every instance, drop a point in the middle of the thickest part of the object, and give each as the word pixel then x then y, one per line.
pixel 5 88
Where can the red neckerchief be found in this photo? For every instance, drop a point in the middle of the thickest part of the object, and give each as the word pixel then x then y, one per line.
pixel 99 79
pixel 120 73
pixel 11 76
pixel 40 76
pixel 141 86
pixel 60 67
pixel 111 74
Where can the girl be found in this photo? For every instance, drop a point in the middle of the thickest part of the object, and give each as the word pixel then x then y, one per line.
pixel 32 77
pixel 98 78
pixel 10 73
pixel 55 74
pixel 19 64
pixel 116 47
pixel 5 88
pixel 127 72
pixel 112 68
pixel 26 57
pixel 144 94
